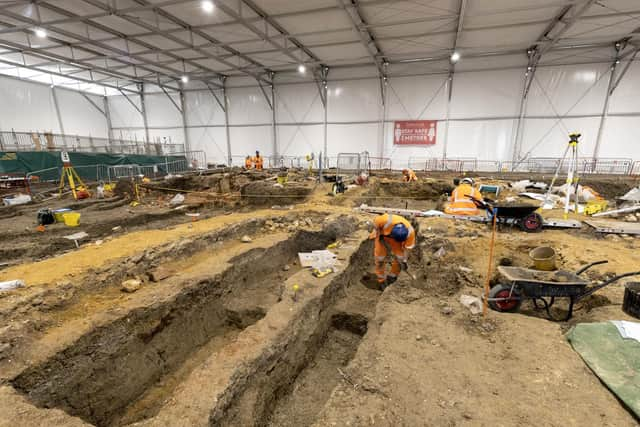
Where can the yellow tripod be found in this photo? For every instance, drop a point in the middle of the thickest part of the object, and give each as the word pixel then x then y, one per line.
pixel 70 174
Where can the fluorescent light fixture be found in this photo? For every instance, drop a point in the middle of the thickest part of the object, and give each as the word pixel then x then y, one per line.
pixel 208 6
pixel 40 32
pixel 455 57
pixel 302 69
pixel 184 79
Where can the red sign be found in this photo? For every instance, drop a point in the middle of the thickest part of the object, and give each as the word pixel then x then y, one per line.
pixel 415 132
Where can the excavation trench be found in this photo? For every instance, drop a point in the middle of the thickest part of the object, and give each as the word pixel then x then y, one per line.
pixel 293 380
pixel 123 371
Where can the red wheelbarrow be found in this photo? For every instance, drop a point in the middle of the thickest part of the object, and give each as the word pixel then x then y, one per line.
pixel 543 287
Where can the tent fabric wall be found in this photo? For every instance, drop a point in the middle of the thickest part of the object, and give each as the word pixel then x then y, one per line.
pixel 29 106
pixel 483 113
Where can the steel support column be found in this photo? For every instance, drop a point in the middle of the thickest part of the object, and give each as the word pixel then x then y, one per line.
pixel 143 112
pixel 446 132
pixel 58 115
pixel 226 121
pixel 273 119
pixel 613 82
pixel 383 94
pixel 522 112
pixel 107 116
pixel 183 113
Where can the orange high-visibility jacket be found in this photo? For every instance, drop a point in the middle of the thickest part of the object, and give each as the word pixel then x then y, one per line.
pixel 410 176
pixel 248 163
pixel 257 161
pixel 384 224
pixel 460 204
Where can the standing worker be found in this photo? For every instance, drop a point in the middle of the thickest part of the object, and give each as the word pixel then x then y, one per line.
pixel 248 163
pixel 460 202
pixel 409 175
pixel 394 236
pixel 258 161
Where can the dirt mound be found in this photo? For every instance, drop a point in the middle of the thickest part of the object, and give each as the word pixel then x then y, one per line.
pixel 268 193
pixel 421 190
pixel 609 188
pixel 217 182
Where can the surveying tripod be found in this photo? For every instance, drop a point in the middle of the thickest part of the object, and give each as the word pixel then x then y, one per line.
pixel 572 174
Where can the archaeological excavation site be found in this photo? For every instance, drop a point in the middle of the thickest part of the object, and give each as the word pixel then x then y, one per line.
pixel 319 213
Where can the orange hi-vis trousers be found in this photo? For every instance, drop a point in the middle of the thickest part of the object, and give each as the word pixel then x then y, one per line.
pixel 380 254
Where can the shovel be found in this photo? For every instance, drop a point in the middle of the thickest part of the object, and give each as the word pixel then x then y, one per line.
pixel 403 265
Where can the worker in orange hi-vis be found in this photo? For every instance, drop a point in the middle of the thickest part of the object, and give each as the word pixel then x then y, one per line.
pixel 394 236
pixel 258 161
pixel 460 202
pixel 409 175
pixel 248 162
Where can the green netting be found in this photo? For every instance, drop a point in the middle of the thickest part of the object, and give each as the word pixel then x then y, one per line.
pixel 90 166
pixel 616 361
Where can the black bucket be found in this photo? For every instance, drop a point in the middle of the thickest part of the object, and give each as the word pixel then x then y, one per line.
pixel 631 302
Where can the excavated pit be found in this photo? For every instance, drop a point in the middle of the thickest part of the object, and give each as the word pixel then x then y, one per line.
pixel 291 385
pixel 123 371
pixel 300 404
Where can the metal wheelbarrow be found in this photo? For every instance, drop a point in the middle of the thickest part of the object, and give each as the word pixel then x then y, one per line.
pixel 543 287
pixel 523 216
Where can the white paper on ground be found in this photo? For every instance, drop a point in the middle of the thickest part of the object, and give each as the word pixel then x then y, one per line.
pixel 628 330
pixel 11 284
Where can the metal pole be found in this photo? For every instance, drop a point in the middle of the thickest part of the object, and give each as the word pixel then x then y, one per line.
pixel 57 107
pixel 384 117
pixel 183 112
pixel 326 106
pixel 273 118
pixel 446 134
pixel 520 124
pixel 605 111
pixel 107 116
pixel 226 121
pixel 143 111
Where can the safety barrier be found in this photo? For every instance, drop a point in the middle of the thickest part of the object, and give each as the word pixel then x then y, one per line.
pixel 379 163
pixel 47 141
pixel 542 165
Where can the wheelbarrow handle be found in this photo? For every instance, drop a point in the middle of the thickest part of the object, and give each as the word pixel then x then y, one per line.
pixel 588 266
pixel 607 283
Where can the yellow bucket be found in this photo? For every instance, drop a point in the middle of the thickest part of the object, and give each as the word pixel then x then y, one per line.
pixel 544 258
pixel 71 219
pixel 58 215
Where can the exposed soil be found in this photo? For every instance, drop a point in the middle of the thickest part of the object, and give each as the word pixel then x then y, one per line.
pixel 269 193
pixel 222 339
pixel 133 360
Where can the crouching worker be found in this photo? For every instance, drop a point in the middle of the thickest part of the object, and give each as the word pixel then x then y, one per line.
pixel 409 175
pixel 394 236
pixel 460 202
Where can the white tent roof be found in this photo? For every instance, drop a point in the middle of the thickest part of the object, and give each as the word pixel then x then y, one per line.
pixel 123 43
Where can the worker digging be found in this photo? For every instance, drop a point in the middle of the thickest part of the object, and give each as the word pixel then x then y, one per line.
pixel 317 214
pixel 394 237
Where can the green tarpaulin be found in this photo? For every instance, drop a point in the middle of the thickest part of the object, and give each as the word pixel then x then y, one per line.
pixel 35 161
pixel 615 360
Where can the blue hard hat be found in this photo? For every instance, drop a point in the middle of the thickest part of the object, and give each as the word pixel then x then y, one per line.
pixel 399 233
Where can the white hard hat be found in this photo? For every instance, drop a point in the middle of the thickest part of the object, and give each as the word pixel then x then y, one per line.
pixel 467 181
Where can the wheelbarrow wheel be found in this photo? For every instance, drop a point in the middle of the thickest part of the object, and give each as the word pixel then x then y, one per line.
pixel 532 223
pixel 508 301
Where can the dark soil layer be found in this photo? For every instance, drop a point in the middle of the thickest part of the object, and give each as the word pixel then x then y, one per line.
pixel 108 369
pixel 300 375
pixel 267 193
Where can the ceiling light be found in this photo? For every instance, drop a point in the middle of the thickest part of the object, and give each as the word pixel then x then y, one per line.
pixel 455 57
pixel 184 79
pixel 208 6
pixel 41 33
pixel 302 69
